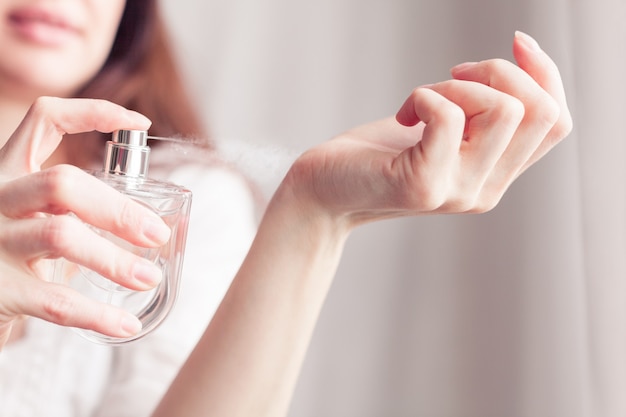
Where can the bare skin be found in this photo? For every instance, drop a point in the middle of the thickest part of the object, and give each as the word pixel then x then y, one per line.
pixel 257 341
pixel 453 147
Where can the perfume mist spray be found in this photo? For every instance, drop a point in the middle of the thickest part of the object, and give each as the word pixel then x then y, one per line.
pixel 125 169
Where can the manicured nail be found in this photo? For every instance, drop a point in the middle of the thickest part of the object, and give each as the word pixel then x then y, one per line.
pixel 155 229
pixel 462 67
pixel 130 325
pixel 147 273
pixel 527 41
pixel 140 118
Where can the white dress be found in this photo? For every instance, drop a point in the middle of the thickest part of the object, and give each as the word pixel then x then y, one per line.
pixel 54 372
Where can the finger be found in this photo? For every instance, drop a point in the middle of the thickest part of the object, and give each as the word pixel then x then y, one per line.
pixel 64 188
pixel 64 306
pixel 541 111
pixel 532 59
pixel 30 240
pixel 444 122
pixel 492 120
pixel 546 120
pixel 432 160
pixel 49 118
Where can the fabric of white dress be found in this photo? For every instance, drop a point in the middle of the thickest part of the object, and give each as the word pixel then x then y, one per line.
pixel 54 372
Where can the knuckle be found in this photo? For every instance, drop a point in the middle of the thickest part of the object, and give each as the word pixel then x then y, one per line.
pixel 428 199
pixel 450 114
pixel 418 94
pixel 120 271
pixel 498 66
pixel 484 207
pixel 549 114
pixel 42 105
pixel 128 217
pixel 463 199
pixel 456 114
pixel 58 184
pixel 563 126
pixel 485 204
pixel 546 109
pixel 550 108
pixel 57 234
pixel 58 306
pixel 441 109
pixel 509 110
pixel 464 205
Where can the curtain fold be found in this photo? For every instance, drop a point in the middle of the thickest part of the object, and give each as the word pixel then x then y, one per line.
pixel 520 312
pixel 601 107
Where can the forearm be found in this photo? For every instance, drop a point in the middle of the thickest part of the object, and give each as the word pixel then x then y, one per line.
pixel 479 132
pixel 248 360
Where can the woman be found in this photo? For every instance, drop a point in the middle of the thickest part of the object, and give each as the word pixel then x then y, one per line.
pixel 63 49
pixel 452 147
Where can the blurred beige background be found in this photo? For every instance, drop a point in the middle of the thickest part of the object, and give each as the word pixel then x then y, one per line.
pixel 519 312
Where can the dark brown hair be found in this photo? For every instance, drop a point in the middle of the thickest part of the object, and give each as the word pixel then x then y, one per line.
pixel 140 73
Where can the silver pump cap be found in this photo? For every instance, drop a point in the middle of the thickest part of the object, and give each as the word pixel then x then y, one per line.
pixel 127 153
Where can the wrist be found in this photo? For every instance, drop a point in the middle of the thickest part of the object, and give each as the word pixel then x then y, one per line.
pixel 298 202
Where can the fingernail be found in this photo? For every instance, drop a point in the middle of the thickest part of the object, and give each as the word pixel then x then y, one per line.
pixel 462 67
pixel 130 325
pixel 528 41
pixel 147 273
pixel 155 229
pixel 140 118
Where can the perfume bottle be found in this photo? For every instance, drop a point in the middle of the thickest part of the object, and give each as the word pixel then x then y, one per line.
pixel 125 169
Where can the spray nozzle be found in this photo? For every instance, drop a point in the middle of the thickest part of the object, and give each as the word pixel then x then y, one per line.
pixel 127 153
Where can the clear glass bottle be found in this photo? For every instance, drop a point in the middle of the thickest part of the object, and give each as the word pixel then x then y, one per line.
pixel 125 169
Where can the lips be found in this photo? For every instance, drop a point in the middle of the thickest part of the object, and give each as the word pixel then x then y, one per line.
pixel 40 26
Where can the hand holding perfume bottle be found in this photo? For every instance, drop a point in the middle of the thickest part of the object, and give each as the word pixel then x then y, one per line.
pixel 125 169
pixel 37 195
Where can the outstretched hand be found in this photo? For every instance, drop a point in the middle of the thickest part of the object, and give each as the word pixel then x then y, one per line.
pixel 34 225
pixel 453 147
